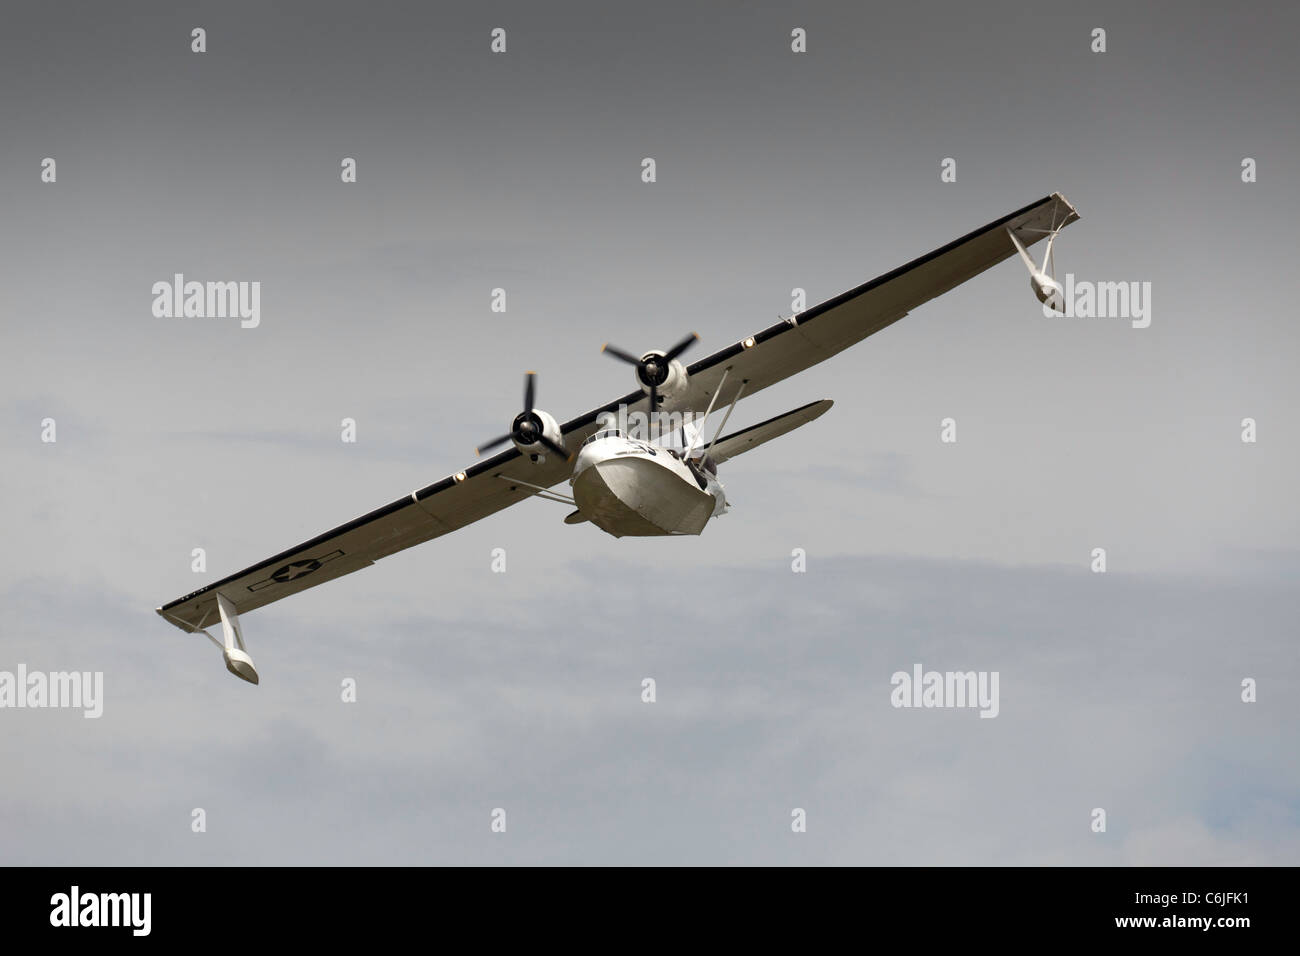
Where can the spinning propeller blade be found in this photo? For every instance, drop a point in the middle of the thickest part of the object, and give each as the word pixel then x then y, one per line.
pixel 528 427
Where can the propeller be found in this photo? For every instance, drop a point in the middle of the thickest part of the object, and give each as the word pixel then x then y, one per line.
pixel 652 368
pixel 528 427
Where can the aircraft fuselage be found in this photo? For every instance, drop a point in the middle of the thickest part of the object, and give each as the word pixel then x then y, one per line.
pixel 631 488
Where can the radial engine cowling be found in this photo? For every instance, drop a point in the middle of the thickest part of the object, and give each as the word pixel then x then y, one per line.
pixel 528 430
pixel 533 431
pixel 658 373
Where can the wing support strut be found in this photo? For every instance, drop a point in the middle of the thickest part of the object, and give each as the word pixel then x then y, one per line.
pixel 709 411
pixel 546 494
pixel 1042 279
pixel 723 424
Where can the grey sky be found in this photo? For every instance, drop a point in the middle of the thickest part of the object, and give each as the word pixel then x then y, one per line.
pixel 522 690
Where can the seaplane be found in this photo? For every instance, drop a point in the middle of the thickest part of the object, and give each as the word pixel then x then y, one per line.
pixel 643 464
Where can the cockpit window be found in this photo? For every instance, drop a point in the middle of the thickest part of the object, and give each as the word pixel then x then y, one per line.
pixel 604 433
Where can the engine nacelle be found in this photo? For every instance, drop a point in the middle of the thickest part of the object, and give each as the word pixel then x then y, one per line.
pixel 1048 291
pixel 527 429
pixel 668 376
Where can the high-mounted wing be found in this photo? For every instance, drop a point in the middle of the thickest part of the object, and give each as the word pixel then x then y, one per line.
pixel 737 443
pixel 427 513
pixel 755 362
